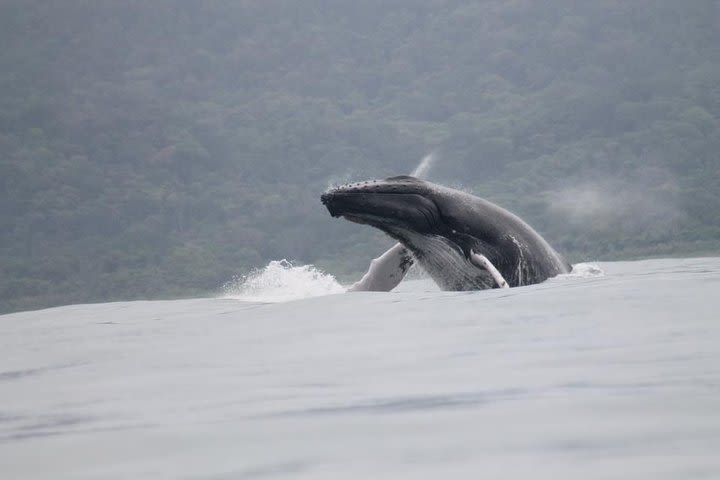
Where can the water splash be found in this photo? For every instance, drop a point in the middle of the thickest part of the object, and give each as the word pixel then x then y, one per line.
pixel 423 168
pixel 281 281
pixel 586 270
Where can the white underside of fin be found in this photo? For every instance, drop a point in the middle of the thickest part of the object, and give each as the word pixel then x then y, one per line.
pixel 482 262
pixel 386 271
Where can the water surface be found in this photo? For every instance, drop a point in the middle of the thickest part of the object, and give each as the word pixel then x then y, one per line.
pixel 593 376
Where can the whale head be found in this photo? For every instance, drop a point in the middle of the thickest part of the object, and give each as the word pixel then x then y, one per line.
pixel 402 202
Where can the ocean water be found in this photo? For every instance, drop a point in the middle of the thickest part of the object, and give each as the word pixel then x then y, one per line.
pixel 612 372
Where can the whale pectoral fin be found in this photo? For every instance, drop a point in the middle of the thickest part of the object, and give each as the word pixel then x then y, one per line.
pixel 481 261
pixel 386 271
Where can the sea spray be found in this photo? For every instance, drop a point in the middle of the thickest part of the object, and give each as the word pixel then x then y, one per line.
pixel 585 270
pixel 423 168
pixel 282 281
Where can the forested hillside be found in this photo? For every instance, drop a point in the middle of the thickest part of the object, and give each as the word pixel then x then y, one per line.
pixel 156 149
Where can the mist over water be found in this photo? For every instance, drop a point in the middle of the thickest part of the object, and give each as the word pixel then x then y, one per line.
pixel 615 201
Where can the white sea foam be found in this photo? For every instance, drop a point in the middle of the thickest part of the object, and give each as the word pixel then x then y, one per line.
pixel 585 270
pixel 281 281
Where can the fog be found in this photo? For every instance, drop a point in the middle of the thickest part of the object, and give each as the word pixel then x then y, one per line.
pixel 610 201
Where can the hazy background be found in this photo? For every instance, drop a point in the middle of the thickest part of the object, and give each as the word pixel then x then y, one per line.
pixel 157 149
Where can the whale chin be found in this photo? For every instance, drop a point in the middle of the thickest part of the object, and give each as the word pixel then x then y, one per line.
pixel 355 219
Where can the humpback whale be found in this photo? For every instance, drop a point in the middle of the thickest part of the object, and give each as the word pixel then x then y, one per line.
pixel 462 241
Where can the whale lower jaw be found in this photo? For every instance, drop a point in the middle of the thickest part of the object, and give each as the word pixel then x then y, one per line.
pixel 444 261
pixel 354 219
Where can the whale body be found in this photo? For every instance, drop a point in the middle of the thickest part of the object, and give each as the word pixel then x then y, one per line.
pixel 462 241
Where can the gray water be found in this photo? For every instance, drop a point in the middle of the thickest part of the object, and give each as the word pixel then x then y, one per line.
pixel 587 376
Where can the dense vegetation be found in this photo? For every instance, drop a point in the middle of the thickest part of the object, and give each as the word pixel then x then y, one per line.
pixel 156 149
